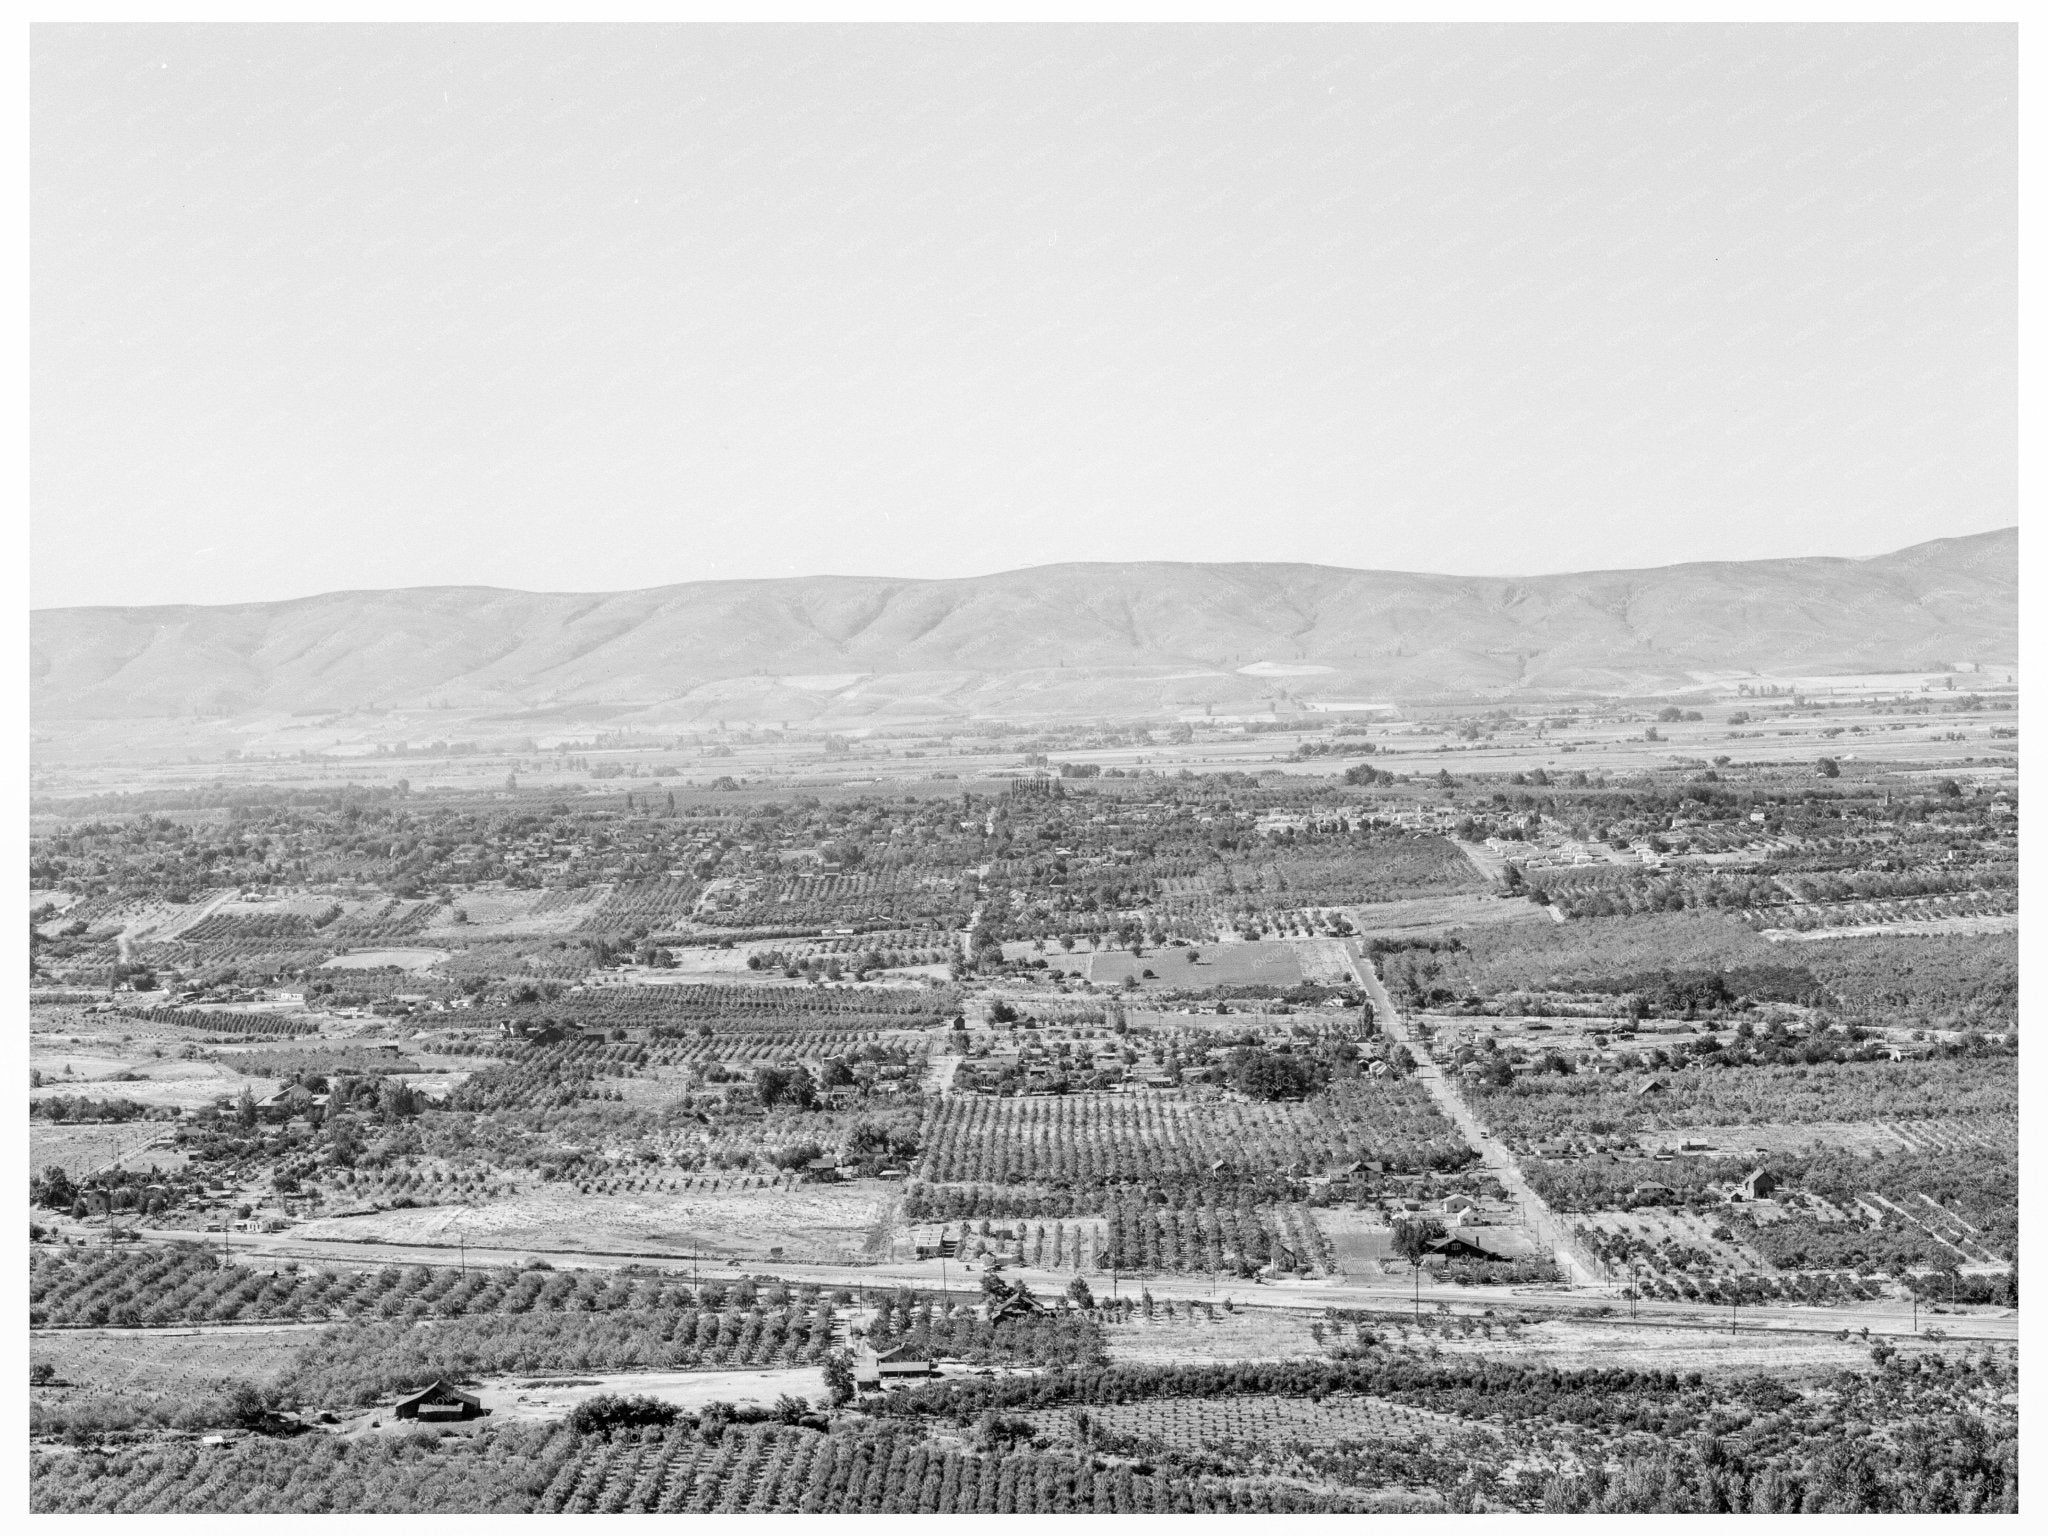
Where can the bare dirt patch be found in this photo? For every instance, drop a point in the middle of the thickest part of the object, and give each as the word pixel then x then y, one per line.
pixel 1422 916
pixel 378 959
pixel 810 1224
pixel 528 1399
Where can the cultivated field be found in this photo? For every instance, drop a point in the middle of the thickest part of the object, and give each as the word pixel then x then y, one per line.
pixel 378 959
pixel 1196 1332
pixel 1209 1424
pixel 160 1363
pixel 813 1223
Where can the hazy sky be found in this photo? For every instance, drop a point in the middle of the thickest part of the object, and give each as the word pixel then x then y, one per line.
pixel 582 309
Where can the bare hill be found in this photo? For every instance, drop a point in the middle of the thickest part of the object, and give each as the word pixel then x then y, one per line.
pixel 1064 640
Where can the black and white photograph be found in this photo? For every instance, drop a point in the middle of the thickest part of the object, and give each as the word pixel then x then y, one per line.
pixel 1044 768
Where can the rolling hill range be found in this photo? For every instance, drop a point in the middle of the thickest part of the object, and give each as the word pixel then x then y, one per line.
pixel 1123 640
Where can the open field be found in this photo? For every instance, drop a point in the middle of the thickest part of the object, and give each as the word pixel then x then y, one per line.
pixel 88 1148
pixel 1577 1346
pixel 166 1363
pixel 1984 1133
pixel 1428 916
pixel 1362 1241
pixel 1933 927
pixel 378 959
pixel 536 1400
pixel 813 1223
pixel 1198 1333
pixel 1234 1422
pixel 1221 965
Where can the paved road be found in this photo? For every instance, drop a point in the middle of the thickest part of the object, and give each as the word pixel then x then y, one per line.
pixel 1550 1230
pixel 1893 1319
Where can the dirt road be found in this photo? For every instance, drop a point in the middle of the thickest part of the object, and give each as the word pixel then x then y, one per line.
pixel 1548 1228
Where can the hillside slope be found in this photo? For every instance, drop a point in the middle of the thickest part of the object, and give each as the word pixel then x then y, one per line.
pixel 1066 639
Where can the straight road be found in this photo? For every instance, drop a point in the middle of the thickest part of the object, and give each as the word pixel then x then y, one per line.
pixel 1392 1296
pixel 1490 865
pixel 1552 1232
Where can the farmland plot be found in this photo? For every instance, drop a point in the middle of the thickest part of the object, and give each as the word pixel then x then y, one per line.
pixel 1230 1423
pixel 379 959
pixel 1196 1333
pixel 1681 1240
pixel 812 1223
pixel 1431 916
pixel 1272 964
pixel 165 1364
pixel 1979 1133
pixel 83 1149
pixel 1570 1345
pixel 1084 1139
pixel 1536 1108
pixel 1361 1242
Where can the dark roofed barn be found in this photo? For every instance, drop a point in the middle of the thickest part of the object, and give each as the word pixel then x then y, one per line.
pixel 438 1404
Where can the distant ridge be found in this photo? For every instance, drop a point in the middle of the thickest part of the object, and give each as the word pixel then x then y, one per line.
pixel 1110 639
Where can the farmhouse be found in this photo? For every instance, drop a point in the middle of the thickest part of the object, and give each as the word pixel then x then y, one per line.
pixel 1019 1303
pixel 1760 1184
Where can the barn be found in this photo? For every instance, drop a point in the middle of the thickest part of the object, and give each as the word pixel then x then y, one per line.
pixel 440 1403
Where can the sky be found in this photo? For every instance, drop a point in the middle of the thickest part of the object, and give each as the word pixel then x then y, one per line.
pixel 585 309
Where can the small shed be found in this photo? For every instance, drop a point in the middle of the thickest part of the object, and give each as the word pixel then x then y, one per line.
pixel 902 1363
pixel 438 1404
pixel 891 1365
